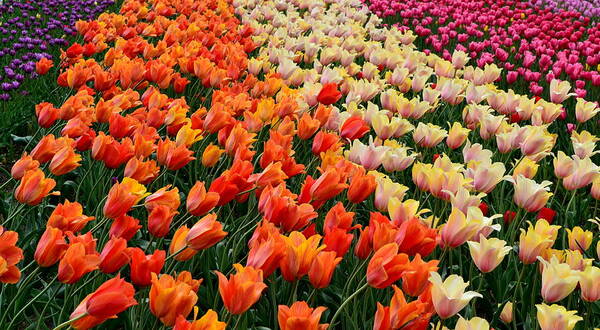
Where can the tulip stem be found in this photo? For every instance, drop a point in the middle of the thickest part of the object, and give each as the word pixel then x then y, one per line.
pixel 32 300
pixel 176 253
pixel 67 322
pixel 337 313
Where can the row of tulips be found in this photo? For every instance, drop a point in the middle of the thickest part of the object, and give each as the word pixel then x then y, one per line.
pixel 293 159
pixel 533 44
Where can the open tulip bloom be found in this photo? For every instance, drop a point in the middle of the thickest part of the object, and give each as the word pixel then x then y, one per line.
pixel 302 164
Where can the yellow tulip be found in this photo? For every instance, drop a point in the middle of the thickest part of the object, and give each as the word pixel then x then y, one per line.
pixel 555 317
pixel 579 239
pixel 449 297
pixel 536 240
pixel 488 254
pixel 558 280
pixel 526 167
pixel 507 313
pixel 589 281
pixel 457 135
pixel 476 323
pixel 585 110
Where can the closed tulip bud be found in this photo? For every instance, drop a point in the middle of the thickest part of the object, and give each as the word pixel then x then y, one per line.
pixel 122 197
pixel 68 216
pixel 449 297
pixel 205 233
pixel 322 268
pixel 457 135
pixel 114 255
pixel 589 281
pixel 488 254
pixel 556 317
pixel 266 254
pixel 307 126
pixel 34 186
pixel 24 164
pixel 211 155
pixel 530 195
pixel 547 214
pixel 300 316
pixel 76 262
pixel 476 323
pixel 171 298
pixel 526 167
pixel 46 114
pixel 51 247
pixel 506 315
pixel 111 298
pixel 386 266
pixel 178 243
pixel 143 265
pixel 558 280
pixel 209 321
pixel 579 239
pixel 173 156
pixel 462 227
pixel 241 290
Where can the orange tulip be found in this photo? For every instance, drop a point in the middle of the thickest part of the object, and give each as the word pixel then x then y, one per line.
pixel 68 216
pixel 43 66
pixel 415 281
pixel 124 227
pixel 327 186
pixel 354 128
pixel 307 126
pixel 24 164
pixel 64 161
pixel 50 248
pixel 400 314
pixel 173 156
pixel 199 202
pixel 205 233
pixel 415 237
pixel 211 155
pixel 322 268
pixel 266 254
pixel 329 94
pixel 10 255
pixel 76 262
pixel 159 220
pixel 142 171
pixel 178 242
pixel 325 141
pixel 111 298
pixel 272 175
pixel 300 317
pixel 46 114
pixel 241 290
pixel 122 197
pixel 143 265
pixel 386 266
pixel 34 186
pixel 165 197
pixel 209 321
pixel 361 187
pixel 114 255
pixel 301 252
pixel 171 298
